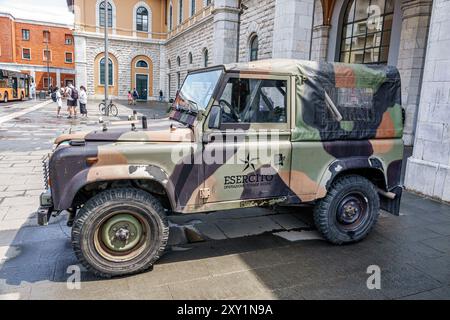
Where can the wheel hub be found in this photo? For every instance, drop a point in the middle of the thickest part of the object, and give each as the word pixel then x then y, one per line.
pixel 350 210
pixel 121 233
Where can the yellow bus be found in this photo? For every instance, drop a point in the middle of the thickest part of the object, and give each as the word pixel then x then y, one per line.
pixel 14 85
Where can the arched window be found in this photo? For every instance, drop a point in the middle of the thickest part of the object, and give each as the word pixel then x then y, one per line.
pixel 142 19
pixel 168 64
pixel 101 14
pixel 192 7
pixel 178 80
pixel 205 58
pixel 170 17
pixel 178 61
pixel 366 31
pixel 254 48
pixel 180 11
pixel 110 72
pixel 141 64
pixel 190 60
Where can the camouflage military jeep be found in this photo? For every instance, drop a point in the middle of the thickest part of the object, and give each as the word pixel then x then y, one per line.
pixel 282 132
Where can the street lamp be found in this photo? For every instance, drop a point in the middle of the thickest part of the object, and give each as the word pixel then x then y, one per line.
pixel 47 58
pixel 106 2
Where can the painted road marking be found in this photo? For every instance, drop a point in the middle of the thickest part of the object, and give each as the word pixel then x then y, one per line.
pixel 24 111
pixel 10 296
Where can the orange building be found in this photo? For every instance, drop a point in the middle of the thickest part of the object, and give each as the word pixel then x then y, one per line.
pixel 42 49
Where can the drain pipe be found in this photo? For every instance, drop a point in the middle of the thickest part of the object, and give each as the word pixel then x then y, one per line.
pixel 241 10
pixel 312 30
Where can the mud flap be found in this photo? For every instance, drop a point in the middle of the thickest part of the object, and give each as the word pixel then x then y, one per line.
pixel 392 205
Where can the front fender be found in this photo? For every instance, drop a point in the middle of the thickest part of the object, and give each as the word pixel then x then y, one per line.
pixel 111 173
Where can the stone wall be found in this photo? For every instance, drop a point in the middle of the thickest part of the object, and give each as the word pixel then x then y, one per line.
pixel 194 40
pixel 292 29
pixel 257 19
pixel 411 57
pixel 125 51
pixel 428 170
pixel 320 34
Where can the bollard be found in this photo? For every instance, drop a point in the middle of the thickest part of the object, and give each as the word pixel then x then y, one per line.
pixel 144 122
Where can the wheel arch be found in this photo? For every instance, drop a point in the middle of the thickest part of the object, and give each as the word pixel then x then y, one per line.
pixel 370 168
pixel 92 180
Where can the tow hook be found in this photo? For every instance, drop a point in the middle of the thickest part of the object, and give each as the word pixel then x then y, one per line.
pixel 43 215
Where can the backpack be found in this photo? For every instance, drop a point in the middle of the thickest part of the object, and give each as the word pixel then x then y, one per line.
pixel 74 94
pixel 53 96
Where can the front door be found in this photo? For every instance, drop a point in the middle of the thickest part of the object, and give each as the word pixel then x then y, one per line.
pixel 15 85
pixel 142 85
pixel 249 157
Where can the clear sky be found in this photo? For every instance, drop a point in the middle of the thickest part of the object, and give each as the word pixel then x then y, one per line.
pixel 41 10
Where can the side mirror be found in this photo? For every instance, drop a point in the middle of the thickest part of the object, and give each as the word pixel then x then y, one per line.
pixel 215 117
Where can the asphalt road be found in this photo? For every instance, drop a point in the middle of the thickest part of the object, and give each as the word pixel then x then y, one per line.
pixel 242 254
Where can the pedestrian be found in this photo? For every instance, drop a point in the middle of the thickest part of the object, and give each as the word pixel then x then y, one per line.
pixel 160 95
pixel 130 98
pixel 58 97
pixel 135 96
pixel 66 93
pixel 74 100
pixel 33 90
pixel 83 101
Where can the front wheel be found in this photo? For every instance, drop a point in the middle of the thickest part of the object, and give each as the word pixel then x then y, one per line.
pixel 349 210
pixel 5 98
pixel 101 107
pixel 113 111
pixel 120 232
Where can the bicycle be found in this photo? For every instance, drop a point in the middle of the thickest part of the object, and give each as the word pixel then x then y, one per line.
pixel 109 109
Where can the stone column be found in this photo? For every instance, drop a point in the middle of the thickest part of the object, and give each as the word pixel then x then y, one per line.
pixel 226 18
pixel 58 78
pixel 428 170
pixel 292 29
pixel 319 49
pixel 81 63
pixel 411 57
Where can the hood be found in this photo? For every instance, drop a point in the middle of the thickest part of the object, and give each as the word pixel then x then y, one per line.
pixel 159 130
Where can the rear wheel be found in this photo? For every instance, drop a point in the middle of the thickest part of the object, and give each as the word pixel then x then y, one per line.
pixel 120 232
pixel 349 210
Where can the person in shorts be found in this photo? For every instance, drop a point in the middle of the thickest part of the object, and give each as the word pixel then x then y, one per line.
pixel 83 101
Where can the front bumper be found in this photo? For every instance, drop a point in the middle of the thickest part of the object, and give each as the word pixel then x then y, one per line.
pixel 45 208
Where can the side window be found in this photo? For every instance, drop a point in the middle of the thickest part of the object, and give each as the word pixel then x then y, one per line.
pixel 353 104
pixel 254 101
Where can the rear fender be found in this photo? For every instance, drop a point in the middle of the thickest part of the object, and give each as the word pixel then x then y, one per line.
pixel 371 168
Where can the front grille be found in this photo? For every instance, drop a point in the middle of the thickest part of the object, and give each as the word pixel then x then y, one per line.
pixel 46 171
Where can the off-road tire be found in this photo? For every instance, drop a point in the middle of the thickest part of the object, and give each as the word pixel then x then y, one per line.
pixel 91 217
pixel 326 210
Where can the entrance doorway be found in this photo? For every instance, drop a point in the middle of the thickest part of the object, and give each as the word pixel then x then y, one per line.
pixel 142 86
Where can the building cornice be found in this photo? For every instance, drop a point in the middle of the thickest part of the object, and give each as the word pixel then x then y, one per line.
pixel 118 37
pixel 36 22
pixel 39 68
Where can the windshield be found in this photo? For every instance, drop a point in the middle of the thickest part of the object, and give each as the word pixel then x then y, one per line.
pixel 197 90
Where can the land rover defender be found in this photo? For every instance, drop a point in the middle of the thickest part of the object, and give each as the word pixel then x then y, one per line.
pixel 271 132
